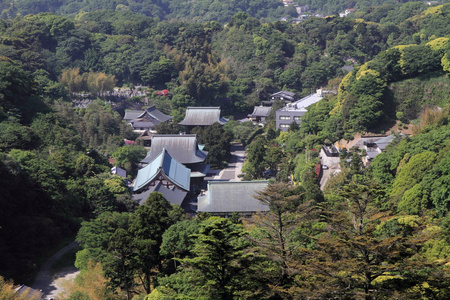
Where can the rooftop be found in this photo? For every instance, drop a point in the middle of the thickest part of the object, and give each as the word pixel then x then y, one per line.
pixel 202 116
pixel 302 104
pixel 155 113
pixel 133 114
pixel 163 164
pixel 183 148
pixel 152 114
pixel 261 111
pixel 232 196
pixel 285 95
pixel 173 195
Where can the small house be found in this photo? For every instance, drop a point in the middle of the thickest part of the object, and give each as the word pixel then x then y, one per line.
pixel 260 114
pixel 119 171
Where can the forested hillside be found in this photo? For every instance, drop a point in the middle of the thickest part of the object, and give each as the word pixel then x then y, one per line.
pixel 211 10
pixel 372 232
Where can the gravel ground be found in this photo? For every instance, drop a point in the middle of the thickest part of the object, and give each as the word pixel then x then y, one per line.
pixel 46 281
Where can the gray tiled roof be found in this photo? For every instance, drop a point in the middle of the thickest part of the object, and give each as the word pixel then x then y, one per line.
pixel 173 195
pixel 284 94
pixel 164 164
pixel 131 115
pixel 158 115
pixel 232 196
pixel 202 116
pixel 261 111
pixel 183 148
pixel 151 113
pixel 143 124
pixel 385 141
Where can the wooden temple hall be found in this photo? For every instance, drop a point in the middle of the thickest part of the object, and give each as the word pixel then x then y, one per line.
pixel 165 175
pixel 174 166
pixel 201 116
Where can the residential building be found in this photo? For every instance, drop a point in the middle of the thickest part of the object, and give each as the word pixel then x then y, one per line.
pixel 372 146
pixel 293 112
pixel 283 95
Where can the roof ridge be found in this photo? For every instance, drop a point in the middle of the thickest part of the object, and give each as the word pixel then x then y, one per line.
pixel 175 135
pixel 203 107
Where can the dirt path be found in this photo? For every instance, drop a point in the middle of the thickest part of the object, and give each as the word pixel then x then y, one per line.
pixel 45 280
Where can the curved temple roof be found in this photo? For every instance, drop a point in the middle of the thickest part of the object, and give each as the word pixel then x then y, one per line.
pixel 183 148
pixel 202 116
pixel 232 196
pixel 261 111
pixel 164 164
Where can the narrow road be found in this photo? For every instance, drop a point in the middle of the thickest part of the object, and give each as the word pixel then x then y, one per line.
pixel 333 168
pixel 234 168
pixel 44 280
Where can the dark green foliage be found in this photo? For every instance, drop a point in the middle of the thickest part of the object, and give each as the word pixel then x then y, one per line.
pixel 310 185
pixel 254 164
pixel 411 95
pixel 120 266
pixel 28 220
pixel 94 236
pixel 128 157
pixel 364 104
pixel 217 142
pixel 54 172
pixel 419 60
pixel 14 135
pixel 217 254
pixel 158 73
pixel 128 245
pixel 149 223
pixel 18 99
pixel 176 241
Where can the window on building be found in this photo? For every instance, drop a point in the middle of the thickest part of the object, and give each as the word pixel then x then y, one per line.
pixel 285 118
pixel 297 118
pixel 284 125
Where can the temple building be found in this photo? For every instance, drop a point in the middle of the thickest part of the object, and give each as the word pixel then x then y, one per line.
pixel 163 174
pixel 184 149
pixel 223 198
pixel 142 120
pixel 260 114
pixel 201 116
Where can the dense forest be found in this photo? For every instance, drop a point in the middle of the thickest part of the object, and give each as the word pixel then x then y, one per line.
pixel 378 232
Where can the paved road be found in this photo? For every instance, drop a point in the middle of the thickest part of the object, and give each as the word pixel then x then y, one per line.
pixel 44 280
pixel 234 168
pixel 333 168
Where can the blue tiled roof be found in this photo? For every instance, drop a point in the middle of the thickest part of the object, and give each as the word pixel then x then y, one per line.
pixel 174 171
